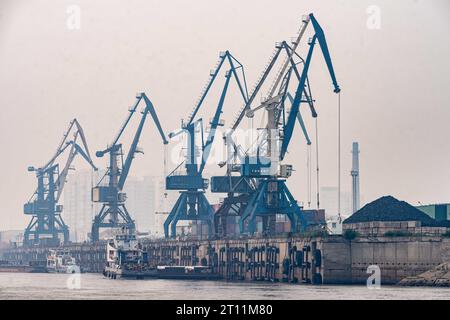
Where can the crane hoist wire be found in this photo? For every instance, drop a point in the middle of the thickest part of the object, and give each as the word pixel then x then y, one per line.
pixel 339 155
pixel 317 164
pixel 308 169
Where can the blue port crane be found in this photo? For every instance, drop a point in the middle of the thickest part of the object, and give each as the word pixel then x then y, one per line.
pixel 46 225
pixel 320 37
pixel 192 203
pixel 113 213
pixel 261 184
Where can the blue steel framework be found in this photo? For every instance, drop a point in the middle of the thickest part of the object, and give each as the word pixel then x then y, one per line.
pixel 192 203
pixel 265 193
pixel 46 224
pixel 111 195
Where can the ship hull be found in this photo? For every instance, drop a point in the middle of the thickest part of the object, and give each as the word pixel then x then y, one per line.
pixel 22 269
pixel 115 273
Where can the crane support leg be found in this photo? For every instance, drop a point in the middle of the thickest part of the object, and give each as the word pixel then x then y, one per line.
pixel 298 215
pixel 271 197
pixel 179 205
pixel 114 212
pixel 192 206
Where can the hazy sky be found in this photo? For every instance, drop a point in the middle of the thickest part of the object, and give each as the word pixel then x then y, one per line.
pixel 394 80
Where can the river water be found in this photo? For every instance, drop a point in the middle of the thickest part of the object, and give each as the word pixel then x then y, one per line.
pixel 94 286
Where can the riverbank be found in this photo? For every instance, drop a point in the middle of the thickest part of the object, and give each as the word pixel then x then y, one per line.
pixel 436 277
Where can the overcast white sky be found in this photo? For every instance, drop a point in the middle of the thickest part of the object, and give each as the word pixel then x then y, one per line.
pixel 394 80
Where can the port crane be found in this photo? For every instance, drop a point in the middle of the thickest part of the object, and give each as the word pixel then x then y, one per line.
pixel 192 203
pixel 261 184
pixel 113 213
pixel 47 225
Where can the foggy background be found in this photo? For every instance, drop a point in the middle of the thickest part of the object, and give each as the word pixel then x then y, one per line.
pixel 395 90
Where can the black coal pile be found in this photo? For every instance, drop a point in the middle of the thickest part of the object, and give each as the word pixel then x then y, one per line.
pixel 388 208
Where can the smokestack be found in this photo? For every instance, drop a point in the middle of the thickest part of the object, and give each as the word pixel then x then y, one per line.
pixel 355 177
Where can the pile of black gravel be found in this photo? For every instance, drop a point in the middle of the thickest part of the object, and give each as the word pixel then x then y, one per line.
pixel 388 208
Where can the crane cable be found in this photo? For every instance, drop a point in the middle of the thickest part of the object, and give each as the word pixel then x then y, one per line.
pixel 165 167
pixel 308 169
pixel 339 156
pixel 92 187
pixel 317 164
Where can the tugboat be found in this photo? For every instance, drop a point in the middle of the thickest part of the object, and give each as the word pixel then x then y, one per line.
pixel 60 261
pixel 126 259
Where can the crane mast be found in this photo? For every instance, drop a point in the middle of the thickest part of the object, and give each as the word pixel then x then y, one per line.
pixel 47 225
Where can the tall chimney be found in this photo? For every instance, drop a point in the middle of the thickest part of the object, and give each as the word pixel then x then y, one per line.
pixel 355 177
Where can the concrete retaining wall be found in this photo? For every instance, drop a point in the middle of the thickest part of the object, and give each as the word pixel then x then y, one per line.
pixel 397 258
pixel 379 228
pixel 329 260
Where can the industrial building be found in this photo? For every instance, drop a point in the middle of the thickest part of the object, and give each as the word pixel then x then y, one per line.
pixel 439 212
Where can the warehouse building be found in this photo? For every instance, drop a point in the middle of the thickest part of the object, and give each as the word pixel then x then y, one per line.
pixel 439 212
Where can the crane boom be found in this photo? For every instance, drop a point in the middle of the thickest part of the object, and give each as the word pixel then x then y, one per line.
pixel 148 109
pixel 62 178
pixel 289 127
pixel 300 121
pixel 289 57
pixel 326 53
pixel 132 110
pixel 152 111
pixel 249 101
pixel 320 37
pixel 214 124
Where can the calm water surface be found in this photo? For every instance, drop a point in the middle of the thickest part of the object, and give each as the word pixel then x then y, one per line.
pixel 94 286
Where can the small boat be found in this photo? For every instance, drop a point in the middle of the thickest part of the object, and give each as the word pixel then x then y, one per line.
pixel 60 261
pixel 187 273
pixel 126 259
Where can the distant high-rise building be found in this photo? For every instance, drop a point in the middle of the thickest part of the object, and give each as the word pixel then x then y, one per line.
pixel 165 201
pixel 141 201
pixel 329 201
pixel 78 209
pixel 147 202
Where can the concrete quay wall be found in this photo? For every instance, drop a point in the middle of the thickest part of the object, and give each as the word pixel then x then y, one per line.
pixel 397 258
pixel 328 260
